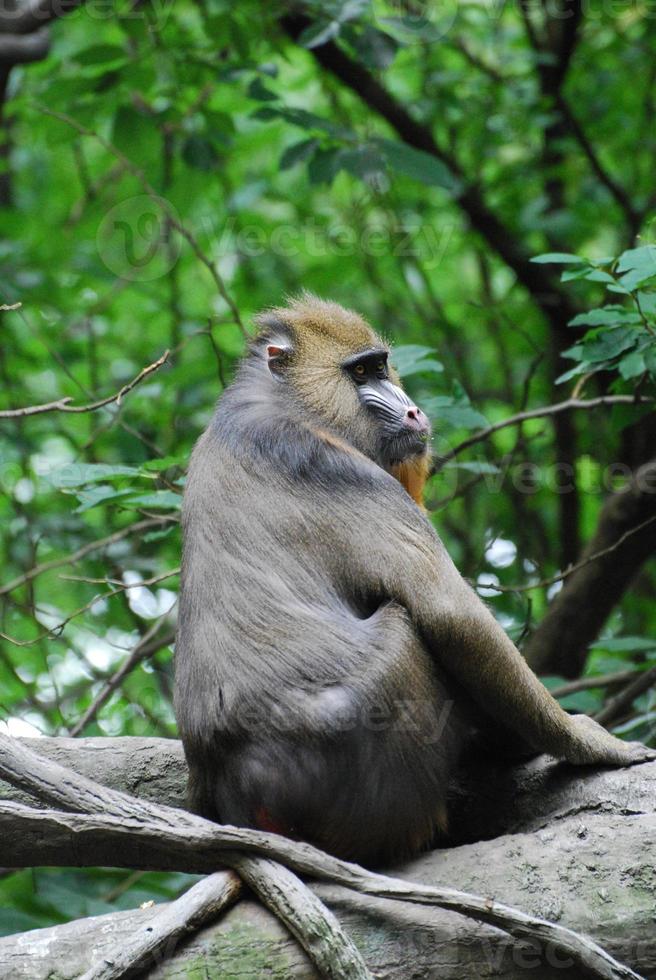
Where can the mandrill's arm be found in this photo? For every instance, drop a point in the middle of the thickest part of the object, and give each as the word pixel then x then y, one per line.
pixel 406 561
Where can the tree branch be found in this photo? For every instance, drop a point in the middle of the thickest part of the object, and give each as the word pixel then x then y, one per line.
pixel 21 49
pixel 158 938
pixel 87 549
pixel 314 926
pixel 62 404
pixel 560 643
pixel 537 413
pixel 33 15
pixel 147 645
pixel 617 705
pixel 157 836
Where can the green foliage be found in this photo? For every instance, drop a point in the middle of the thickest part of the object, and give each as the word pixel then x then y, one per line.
pixel 166 121
pixel 623 337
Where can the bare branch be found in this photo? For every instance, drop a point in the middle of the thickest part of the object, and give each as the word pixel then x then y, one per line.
pixel 315 927
pixel 87 549
pixel 537 413
pixel 609 564
pixel 200 905
pixel 146 646
pixel 617 705
pixel 62 404
pixel 601 680
pixel 32 15
pixel 545 582
pixel 21 49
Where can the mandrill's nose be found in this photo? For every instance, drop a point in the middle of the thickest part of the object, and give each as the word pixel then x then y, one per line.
pixel 416 420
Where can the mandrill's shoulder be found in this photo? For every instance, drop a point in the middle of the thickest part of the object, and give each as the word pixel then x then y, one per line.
pixel 283 448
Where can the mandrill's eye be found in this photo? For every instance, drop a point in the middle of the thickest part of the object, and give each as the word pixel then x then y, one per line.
pixel 381 369
pixel 359 370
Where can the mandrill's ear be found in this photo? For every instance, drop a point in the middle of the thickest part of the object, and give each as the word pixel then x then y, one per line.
pixel 275 342
pixel 278 353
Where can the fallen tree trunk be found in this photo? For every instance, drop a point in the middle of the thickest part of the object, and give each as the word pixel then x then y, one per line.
pixel 569 845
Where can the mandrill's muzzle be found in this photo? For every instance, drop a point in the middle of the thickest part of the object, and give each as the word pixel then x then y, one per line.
pixel 405 428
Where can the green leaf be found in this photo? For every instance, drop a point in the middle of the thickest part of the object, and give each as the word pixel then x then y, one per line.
pixel 363 161
pixel 164 463
pixel 579 272
pixel 418 165
pixel 583 368
pixel 98 495
pixel 611 315
pixel 79 474
pixel 559 258
pixel 324 166
pixel 628 644
pixel 647 302
pixel 650 360
pixel 642 258
pixel 457 414
pixel 133 134
pixel 302 119
pixel 319 33
pixel 598 275
pixel 609 344
pixel 375 48
pixel 297 153
pixel 479 467
pixel 258 91
pixel 587 702
pixel 200 153
pixel 100 54
pixel 638 266
pixel 411 359
pixel 632 365
pixel 159 500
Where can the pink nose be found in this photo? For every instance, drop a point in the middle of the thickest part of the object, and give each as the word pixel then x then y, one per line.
pixel 415 419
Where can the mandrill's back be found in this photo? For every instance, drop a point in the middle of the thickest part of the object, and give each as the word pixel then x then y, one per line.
pixel 306 702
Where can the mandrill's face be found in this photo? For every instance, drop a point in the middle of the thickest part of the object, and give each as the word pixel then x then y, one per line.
pixel 404 430
pixel 336 366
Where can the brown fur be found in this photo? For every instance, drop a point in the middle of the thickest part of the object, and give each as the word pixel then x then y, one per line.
pixel 412 474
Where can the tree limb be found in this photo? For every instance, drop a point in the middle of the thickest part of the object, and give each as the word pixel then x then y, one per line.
pixel 560 643
pixel 157 836
pixel 21 49
pixel 47 566
pixel 315 927
pixel 62 404
pixel 158 938
pixel 537 413
pixel 32 15
pixel 617 705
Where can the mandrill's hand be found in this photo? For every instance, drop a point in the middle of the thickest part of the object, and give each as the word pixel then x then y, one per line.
pixel 593 744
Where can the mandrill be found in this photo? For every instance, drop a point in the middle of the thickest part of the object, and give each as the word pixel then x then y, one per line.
pixel 331 662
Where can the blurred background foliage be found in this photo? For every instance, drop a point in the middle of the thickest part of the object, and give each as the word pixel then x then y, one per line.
pixel 168 170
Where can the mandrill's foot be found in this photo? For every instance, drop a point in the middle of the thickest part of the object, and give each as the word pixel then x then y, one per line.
pixel 592 744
